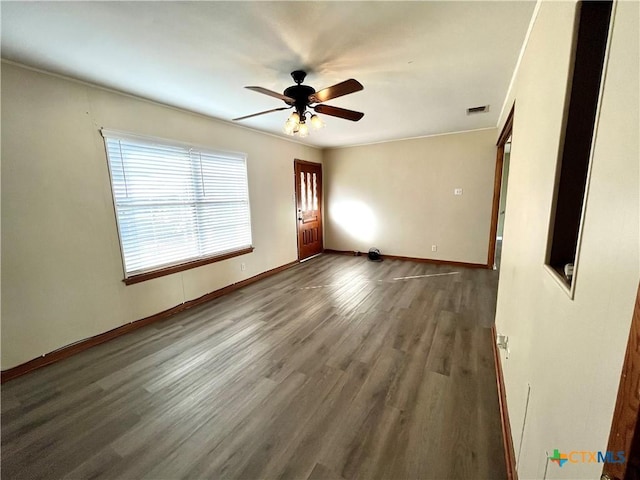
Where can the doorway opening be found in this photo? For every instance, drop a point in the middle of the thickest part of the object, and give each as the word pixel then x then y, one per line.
pixel 498 212
pixel 308 184
pixel 502 209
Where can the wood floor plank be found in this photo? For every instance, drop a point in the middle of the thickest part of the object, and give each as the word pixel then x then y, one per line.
pixel 328 421
pixel 320 472
pixel 228 457
pixel 93 466
pixel 440 356
pixel 339 368
pixel 172 449
pixel 418 433
pixel 277 445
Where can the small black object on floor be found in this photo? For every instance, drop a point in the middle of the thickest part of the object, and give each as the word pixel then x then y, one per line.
pixel 374 255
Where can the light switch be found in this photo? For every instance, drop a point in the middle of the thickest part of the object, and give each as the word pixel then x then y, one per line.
pixel 457 191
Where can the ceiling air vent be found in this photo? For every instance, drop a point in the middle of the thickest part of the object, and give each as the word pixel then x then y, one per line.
pixel 482 109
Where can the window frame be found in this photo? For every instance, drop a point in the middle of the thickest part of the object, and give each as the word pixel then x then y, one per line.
pixel 569 288
pixel 179 266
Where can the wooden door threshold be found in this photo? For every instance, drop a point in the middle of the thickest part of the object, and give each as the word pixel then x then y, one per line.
pixel 310 258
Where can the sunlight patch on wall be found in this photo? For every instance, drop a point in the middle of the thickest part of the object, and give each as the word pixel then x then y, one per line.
pixel 355 218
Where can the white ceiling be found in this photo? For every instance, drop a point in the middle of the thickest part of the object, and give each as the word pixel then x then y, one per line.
pixel 421 63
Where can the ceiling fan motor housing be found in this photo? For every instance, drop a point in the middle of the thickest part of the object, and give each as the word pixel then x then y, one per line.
pixel 300 93
pixel 298 76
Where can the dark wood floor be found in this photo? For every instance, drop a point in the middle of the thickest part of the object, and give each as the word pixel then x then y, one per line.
pixel 333 369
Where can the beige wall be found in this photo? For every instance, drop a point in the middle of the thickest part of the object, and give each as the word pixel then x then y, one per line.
pixel 569 351
pixel 61 264
pixel 399 196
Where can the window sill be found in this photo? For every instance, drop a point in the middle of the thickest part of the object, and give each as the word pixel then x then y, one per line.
pixel 561 280
pixel 161 272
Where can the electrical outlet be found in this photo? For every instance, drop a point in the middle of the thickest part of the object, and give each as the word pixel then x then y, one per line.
pixel 457 191
pixel 434 248
pixel 243 266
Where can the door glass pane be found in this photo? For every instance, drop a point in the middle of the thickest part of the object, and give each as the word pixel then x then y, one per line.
pixel 309 194
pixel 315 192
pixel 303 193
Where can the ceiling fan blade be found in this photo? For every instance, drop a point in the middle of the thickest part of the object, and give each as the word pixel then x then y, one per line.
pixel 337 90
pixel 261 113
pixel 271 93
pixel 339 112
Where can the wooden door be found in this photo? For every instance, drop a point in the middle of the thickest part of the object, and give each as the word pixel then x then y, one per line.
pixel 308 179
pixel 625 431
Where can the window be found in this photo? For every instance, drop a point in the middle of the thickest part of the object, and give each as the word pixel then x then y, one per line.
pixel 176 206
pixel 589 56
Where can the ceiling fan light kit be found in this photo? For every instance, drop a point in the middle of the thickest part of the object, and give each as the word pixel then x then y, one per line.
pixel 303 97
pixel 316 122
pixel 296 125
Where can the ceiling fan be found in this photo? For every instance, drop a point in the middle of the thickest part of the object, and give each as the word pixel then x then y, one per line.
pixel 303 97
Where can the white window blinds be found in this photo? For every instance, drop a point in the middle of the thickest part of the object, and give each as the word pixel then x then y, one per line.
pixel 176 203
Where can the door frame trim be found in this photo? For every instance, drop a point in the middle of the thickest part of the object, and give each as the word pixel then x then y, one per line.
pixel 507 131
pixel 622 415
pixel 297 161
